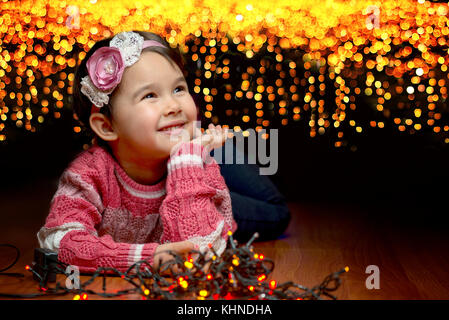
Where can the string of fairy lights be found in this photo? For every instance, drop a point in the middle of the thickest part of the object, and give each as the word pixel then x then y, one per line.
pixel 338 68
pixel 238 273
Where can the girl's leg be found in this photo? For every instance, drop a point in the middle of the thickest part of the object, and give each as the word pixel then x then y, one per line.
pixel 257 204
pixel 270 220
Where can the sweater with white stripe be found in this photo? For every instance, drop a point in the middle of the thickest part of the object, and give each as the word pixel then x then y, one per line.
pixel 100 217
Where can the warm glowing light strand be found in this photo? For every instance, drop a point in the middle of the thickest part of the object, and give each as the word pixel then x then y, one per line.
pixel 238 273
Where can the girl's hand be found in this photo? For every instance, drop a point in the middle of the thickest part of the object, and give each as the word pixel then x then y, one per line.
pixel 183 248
pixel 214 137
pixel 161 256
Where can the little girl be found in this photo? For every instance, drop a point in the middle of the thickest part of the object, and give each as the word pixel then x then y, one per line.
pixel 145 186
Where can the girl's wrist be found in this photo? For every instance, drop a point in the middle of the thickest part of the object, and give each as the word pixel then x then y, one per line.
pixel 187 154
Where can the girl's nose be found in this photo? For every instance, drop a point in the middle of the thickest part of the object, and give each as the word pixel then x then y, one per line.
pixel 172 107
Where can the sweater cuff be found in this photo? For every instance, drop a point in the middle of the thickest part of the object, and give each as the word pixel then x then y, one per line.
pixel 89 253
pixel 138 252
pixel 188 155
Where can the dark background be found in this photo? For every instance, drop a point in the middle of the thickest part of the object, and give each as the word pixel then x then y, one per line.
pixel 400 174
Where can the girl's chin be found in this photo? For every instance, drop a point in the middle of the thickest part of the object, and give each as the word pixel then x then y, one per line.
pixel 168 142
pixel 175 138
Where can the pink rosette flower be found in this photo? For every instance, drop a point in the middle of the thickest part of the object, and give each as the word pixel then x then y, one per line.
pixel 106 68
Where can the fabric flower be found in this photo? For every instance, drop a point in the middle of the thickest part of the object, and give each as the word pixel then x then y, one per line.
pixel 106 68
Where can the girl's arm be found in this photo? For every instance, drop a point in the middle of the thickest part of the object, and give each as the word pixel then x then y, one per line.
pixel 70 228
pixel 197 206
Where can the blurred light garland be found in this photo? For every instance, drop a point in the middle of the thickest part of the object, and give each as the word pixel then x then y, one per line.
pixel 338 67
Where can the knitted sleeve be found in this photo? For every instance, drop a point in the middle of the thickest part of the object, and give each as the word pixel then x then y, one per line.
pixel 197 206
pixel 75 214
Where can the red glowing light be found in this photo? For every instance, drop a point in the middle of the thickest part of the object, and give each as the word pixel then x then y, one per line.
pixel 228 296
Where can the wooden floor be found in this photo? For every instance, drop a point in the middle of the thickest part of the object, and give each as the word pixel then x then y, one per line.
pixel 413 258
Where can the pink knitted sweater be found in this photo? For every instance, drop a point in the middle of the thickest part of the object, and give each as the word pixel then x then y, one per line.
pixel 99 216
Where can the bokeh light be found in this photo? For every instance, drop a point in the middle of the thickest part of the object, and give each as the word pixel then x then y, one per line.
pixel 338 68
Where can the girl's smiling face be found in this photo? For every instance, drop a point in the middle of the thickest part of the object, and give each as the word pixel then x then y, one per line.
pixel 153 94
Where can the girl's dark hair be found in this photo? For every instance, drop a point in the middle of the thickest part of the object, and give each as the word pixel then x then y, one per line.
pixel 82 105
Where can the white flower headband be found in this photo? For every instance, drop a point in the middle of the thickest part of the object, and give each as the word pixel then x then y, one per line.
pixel 106 65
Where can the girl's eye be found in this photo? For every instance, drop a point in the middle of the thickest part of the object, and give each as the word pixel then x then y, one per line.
pixel 181 88
pixel 152 95
pixel 149 95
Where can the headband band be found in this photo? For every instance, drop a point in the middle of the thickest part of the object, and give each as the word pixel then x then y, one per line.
pixel 106 65
pixel 152 43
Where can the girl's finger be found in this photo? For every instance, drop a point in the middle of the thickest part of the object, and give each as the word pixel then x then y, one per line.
pixel 206 139
pixel 198 131
pixel 182 246
pixel 217 138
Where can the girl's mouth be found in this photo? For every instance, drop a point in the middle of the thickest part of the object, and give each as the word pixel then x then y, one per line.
pixel 174 130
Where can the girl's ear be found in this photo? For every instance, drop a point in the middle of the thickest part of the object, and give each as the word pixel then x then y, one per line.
pixel 102 126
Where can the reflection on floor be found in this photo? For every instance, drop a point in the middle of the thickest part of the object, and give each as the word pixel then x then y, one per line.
pixel 412 254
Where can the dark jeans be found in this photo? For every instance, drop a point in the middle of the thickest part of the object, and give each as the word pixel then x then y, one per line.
pixel 257 204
